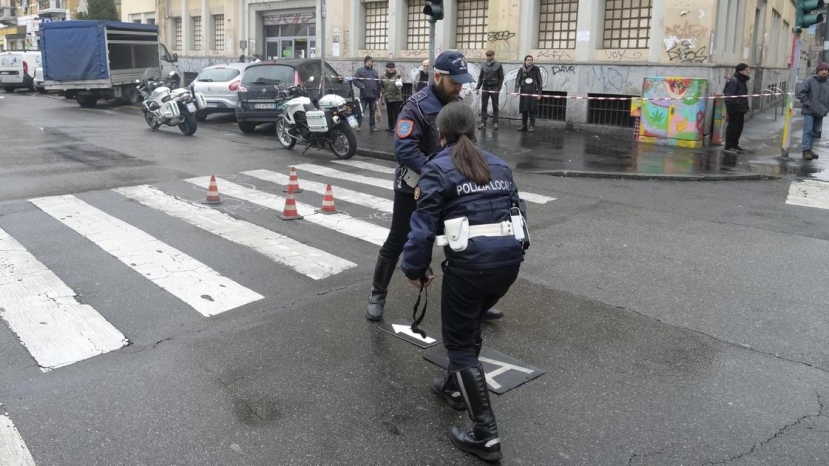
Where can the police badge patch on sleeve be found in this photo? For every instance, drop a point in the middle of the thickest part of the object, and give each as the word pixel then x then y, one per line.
pixel 404 128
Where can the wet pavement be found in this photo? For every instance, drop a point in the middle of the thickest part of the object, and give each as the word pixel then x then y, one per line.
pixel 557 151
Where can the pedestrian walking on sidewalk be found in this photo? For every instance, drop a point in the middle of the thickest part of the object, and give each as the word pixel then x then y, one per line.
pixel 480 266
pixel 368 81
pixel 491 79
pixel 392 93
pixel 528 82
pixel 813 94
pixel 736 107
pixel 415 138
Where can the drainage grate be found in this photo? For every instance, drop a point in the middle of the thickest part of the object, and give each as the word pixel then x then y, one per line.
pixel 552 109
pixel 610 112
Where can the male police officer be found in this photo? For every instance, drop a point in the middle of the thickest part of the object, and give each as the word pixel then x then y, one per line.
pixel 416 137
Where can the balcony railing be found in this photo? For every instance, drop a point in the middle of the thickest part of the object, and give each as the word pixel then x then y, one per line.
pixel 8 15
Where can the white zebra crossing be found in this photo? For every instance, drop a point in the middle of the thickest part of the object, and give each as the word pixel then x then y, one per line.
pixel 388 183
pixel 45 314
pixel 193 282
pixel 809 193
pixel 13 450
pixel 341 194
pixel 304 259
pixel 338 222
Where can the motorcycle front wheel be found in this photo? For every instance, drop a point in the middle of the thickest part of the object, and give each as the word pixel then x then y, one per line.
pixel 148 117
pixel 189 126
pixel 343 142
pixel 282 134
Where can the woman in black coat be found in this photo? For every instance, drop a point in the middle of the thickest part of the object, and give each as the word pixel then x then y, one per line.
pixel 528 81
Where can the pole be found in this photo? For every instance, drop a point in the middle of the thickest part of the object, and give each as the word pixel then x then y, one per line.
pixel 787 126
pixel 431 48
pixel 322 48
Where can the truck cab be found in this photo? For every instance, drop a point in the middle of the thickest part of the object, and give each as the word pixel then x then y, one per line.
pixel 169 62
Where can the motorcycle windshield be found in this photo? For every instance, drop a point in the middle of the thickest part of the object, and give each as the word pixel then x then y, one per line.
pixel 151 74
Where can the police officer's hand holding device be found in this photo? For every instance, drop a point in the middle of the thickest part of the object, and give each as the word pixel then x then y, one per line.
pixel 416 137
pixel 467 202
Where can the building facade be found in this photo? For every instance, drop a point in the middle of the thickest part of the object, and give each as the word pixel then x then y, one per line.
pixel 20 20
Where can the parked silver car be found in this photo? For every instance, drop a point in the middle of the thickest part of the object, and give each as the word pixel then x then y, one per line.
pixel 219 84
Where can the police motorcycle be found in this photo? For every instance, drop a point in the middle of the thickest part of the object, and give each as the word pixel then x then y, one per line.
pixel 165 103
pixel 328 125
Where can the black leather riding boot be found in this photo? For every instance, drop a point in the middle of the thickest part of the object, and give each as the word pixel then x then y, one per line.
pixel 383 271
pixel 446 386
pixel 482 438
pixel 493 314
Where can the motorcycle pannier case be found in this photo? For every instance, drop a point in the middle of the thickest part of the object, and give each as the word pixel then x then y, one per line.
pixel 316 121
pixel 170 109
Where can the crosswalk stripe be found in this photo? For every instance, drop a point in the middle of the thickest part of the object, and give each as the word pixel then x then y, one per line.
pixel 366 166
pixel 389 184
pixel 304 259
pixel 809 193
pixel 341 194
pixel 193 282
pixel 13 450
pixel 340 222
pixel 56 329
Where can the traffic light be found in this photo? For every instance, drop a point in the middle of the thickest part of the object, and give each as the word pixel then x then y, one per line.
pixel 803 13
pixel 434 8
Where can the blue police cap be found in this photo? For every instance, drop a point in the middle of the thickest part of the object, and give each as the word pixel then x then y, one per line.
pixel 452 63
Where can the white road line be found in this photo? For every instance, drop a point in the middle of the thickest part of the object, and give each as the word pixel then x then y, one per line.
pixel 809 193
pixel 366 166
pixel 13 451
pixel 340 194
pixel 304 259
pixel 191 281
pixel 45 314
pixel 389 184
pixel 342 223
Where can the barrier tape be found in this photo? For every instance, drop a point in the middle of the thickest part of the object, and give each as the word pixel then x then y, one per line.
pixel 584 97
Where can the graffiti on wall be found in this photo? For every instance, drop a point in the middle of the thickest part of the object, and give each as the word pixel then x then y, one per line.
pixel 549 54
pixel 609 79
pixel 687 42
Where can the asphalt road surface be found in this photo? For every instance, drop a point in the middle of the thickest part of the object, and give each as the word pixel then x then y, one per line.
pixel 677 323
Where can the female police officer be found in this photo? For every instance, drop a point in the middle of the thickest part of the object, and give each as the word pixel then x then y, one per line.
pixel 470 196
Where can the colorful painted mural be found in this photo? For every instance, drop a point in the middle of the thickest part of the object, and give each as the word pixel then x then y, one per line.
pixel 672 111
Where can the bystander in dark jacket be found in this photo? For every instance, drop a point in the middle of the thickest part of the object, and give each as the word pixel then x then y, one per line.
pixel 736 107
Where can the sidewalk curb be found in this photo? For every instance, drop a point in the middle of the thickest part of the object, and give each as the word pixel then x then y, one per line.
pixel 654 176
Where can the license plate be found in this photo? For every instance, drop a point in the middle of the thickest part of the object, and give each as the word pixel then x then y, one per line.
pixel 191 107
pixel 213 104
pixel 352 121
pixel 271 106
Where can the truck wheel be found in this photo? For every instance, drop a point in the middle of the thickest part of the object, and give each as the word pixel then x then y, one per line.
pixel 189 127
pixel 42 90
pixel 133 95
pixel 247 127
pixel 8 89
pixel 86 102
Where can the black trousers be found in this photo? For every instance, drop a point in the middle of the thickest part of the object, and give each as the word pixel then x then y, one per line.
pixel 734 130
pixel 530 115
pixel 404 206
pixel 485 96
pixel 393 110
pixel 466 295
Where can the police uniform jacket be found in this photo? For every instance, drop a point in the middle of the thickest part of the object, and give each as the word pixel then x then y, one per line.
pixel 416 136
pixel 444 193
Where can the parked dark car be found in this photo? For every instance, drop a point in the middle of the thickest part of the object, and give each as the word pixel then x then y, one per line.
pixel 258 92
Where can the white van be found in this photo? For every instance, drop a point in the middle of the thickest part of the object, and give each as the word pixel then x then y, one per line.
pixel 17 70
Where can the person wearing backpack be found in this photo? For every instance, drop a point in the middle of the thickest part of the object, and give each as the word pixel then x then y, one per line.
pixel 736 107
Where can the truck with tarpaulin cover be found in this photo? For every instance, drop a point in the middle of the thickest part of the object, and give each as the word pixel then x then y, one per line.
pixel 94 60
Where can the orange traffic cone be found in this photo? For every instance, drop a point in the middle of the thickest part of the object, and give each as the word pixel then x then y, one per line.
pixel 289 212
pixel 213 192
pixel 293 182
pixel 328 202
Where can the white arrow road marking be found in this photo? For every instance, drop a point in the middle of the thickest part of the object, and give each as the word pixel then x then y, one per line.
pixel 809 193
pixel 389 184
pixel 340 194
pixel 304 259
pixel 45 314
pixel 191 281
pixel 407 330
pixel 340 222
pixel 13 451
